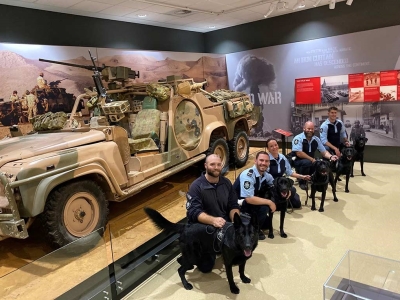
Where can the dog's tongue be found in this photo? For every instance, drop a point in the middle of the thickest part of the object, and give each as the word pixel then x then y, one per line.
pixel 284 194
pixel 247 253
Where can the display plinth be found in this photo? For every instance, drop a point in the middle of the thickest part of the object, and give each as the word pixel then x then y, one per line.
pixel 363 276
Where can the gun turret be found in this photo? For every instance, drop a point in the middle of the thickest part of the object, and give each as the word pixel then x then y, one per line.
pixel 54 84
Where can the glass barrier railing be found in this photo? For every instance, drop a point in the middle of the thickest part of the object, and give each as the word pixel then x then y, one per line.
pixel 57 273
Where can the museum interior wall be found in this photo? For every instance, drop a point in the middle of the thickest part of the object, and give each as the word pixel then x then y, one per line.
pixel 282 46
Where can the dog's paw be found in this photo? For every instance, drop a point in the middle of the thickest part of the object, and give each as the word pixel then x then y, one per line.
pixel 271 235
pixel 347 191
pixel 188 286
pixel 363 174
pixel 284 235
pixel 245 279
pixel 235 289
pixel 313 208
pixel 321 209
pixel 335 199
pixel 351 175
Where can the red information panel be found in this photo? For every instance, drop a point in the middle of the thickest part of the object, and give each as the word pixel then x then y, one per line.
pixel 356 80
pixel 308 90
pixel 389 78
pixel 371 94
pixel 398 92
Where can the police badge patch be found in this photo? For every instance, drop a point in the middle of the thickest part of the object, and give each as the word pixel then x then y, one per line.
pixel 246 185
pixel 296 142
pixel 188 197
pixel 321 130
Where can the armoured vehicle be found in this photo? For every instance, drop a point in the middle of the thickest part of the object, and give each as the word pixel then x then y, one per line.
pixel 67 176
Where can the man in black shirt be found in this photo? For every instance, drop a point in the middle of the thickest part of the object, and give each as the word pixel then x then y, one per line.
pixel 211 200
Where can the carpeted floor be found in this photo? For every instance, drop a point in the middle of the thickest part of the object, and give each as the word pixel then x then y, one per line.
pixel 367 220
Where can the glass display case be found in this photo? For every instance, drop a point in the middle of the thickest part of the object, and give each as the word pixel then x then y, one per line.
pixel 364 276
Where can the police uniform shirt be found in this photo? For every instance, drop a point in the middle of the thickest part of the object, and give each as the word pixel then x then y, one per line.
pixel 248 180
pixel 332 132
pixel 300 143
pixel 279 166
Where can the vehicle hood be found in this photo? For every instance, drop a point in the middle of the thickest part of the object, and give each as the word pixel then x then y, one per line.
pixel 31 145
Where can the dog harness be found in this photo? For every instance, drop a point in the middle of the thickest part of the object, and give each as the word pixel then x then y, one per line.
pixel 220 236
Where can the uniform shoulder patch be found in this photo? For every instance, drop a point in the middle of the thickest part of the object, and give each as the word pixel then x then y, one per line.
pixel 296 142
pixel 250 172
pixel 246 185
pixel 188 200
pixel 321 129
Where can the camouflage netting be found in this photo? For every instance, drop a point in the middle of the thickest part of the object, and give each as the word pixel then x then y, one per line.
pixel 222 94
pixel 188 125
pixel 147 124
pixel 145 144
pixel 49 121
pixel 158 91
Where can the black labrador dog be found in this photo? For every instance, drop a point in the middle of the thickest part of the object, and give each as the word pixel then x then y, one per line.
pixel 279 195
pixel 320 179
pixel 344 164
pixel 359 145
pixel 236 242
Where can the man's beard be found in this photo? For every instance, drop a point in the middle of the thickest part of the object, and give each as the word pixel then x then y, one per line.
pixel 214 174
pixel 308 134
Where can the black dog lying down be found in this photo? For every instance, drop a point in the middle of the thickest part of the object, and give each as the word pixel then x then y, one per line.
pixel 279 194
pixel 359 145
pixel 236 245
pixel 319 183
pixel 343 165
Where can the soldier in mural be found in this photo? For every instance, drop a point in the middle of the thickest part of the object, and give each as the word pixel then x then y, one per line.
pixel 356 131
pixel 251 73
pixel 31 102
pixel 41 82
pixel 14 98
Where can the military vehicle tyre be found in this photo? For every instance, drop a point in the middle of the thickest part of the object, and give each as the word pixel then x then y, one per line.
pixel 220 147
pixel 73 211
pixel 239 149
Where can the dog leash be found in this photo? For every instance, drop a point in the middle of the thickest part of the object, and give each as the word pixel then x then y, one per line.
pixel 220 236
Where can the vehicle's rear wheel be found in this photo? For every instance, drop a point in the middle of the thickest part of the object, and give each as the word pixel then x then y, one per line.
pixel 239 149
pixel 73 211
pixel 220 147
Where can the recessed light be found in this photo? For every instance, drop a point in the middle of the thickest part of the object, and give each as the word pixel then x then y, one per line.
pixel 211 27
pixel 142 16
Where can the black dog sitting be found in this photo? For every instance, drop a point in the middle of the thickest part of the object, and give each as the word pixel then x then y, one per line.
pixel 235 241
pixel 319 183
pixel 344 165
pixel 279 195
pixel 359 145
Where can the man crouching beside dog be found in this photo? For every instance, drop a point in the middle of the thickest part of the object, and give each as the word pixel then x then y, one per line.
pixel 251 185
pixel 211 200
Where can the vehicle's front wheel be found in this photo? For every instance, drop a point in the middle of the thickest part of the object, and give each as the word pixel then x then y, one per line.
pixel 74 210
pixel 220 147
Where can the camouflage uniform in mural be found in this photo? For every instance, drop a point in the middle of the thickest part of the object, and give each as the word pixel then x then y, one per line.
pixel 14 99
pixel 31 101
pixel 41 82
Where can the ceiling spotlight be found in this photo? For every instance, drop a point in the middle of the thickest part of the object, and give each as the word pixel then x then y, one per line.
pixel 349 2
pixel 316 3
pixel 142 16
pixel 299 4
pixel 271 9
pixel 282 5
pixel 332 4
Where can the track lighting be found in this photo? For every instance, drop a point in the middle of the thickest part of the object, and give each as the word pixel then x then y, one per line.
pixel 299 4
pixel 317 3
pixel 349 2
pixel 332 4
pixel 270 11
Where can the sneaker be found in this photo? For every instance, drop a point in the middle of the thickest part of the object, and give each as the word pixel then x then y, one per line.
pixel 261 235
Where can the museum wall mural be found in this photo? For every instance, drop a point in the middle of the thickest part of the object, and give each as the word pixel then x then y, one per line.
pixel 23 75
pixel 269 75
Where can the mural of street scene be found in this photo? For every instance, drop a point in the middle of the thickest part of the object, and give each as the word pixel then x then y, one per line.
pixel 378 119
pixel 38 79
pixel 335 89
